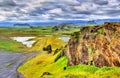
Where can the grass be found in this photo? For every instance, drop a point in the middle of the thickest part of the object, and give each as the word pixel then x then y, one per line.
pixel 45 63
pixel 36 67
pixel 10 45
pixel 76 36
pixel 101 31
pixel 42 42
pixel 14 31
pixel 8 64
pixel 34 31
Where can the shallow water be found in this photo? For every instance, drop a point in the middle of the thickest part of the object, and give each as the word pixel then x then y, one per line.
pixel 66 39
pixel 24 40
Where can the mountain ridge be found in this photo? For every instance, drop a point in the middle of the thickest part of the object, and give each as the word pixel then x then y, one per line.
pixel 56 22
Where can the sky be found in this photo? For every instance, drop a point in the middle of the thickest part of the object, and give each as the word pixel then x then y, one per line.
pixel 50 10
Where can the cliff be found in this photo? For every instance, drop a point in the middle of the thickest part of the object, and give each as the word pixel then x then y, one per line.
pixel 98 45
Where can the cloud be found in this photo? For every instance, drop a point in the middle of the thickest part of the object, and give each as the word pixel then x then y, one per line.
pixel 101 2
pixel 55 10
pixel 42 10
pixel 7 3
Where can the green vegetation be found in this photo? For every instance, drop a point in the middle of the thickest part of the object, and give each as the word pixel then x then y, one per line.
pixel 9 64
pixel 42 42
pixel 101 30
pixel 45 63
pixel 67 32
pixel 34 31
pixel 114 36
pixel 90 49
pixel 15 31
pixel 76 36
pixel 10 45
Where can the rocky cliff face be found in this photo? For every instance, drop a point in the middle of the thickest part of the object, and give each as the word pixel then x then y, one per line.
pixel 98 45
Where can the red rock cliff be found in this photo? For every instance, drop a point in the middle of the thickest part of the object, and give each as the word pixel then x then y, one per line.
pixel 98 45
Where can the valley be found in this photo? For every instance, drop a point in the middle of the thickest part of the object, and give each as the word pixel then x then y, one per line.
pixel 61 51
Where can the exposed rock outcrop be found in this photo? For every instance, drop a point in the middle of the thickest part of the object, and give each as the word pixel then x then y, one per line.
pixel 62 27
pixel 98 45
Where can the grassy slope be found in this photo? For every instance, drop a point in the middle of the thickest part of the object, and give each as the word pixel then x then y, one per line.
pixel 42 42
pixel 45 63
pixel 35 67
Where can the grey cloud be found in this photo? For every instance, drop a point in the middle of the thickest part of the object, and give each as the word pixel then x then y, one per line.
pixel 41 9
pixel 113 12
pixel 101 2
pixel 53 16
pixel 7 3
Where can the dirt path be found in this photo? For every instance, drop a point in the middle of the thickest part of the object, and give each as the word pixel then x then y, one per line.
pixel 9 63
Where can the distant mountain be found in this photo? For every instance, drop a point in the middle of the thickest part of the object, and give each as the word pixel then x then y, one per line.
pixel 22 24
pixel 6 24
pixel 102 21
pixel 91 22
pixel 57 22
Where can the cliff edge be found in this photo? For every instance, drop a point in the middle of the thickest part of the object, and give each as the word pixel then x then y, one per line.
pixel 98 45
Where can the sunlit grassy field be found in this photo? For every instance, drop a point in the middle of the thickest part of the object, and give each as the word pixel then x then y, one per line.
pixel 16 31
pixel 39 30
